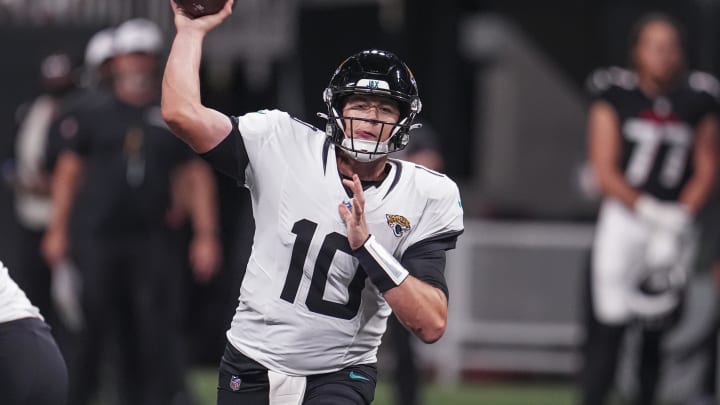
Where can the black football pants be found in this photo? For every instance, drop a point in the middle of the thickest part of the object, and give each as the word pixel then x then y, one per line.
pixel 601 353
pixel 243 381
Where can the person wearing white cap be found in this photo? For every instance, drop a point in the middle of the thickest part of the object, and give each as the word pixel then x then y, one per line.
pixel 138 36
pixel 98 54
pixel 32 370
pixel 137 50
pixel 126 250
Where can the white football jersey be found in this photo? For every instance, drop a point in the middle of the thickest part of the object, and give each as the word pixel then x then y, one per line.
pixel 305 306
pixel 13 302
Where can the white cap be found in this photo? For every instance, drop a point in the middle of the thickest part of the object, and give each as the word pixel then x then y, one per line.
pixel 138 35
pixel 99 48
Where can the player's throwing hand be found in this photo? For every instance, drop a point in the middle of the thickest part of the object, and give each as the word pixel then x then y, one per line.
pixel 205 23
pixel 354 217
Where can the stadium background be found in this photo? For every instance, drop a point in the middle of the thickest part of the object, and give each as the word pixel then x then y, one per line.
pixel 502 82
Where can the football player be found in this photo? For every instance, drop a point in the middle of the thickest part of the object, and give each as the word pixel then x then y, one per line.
pixel 652 142
pixel 32 369
pixel 344 235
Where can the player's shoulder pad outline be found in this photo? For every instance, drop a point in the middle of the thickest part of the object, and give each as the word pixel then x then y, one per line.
pixel 602 79
pixel 704 82
pixel 298 120
pixel 430 182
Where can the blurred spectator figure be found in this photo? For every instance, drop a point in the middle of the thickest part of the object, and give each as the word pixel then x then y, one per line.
pixel 424 150
pixel 29 176
pixel 32 370
pixel 95 82
pixel 707 392
pixel 131 181
pixel 706 345
pixel 97 72
pixel 652 143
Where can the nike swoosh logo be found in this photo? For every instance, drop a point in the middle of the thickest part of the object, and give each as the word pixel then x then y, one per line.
pixel 355 376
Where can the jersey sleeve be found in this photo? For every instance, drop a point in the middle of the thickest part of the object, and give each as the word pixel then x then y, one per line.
pixel 436 231
pixel 259 129
pixel 609 84
pixel 707 88
pixel 443 214
pixel 426 262
pixel 250 135
pixel 229 156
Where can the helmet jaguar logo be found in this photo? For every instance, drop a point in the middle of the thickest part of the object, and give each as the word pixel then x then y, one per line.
pixel 398 223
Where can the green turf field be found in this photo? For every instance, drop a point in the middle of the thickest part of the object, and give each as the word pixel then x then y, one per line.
pixel 204 383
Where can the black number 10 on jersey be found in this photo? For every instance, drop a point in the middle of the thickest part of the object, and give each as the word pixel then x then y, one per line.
pixel 305 230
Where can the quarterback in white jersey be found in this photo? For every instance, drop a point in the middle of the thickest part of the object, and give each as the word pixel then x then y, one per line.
pixel 28 353
pixel 344 235
pixel 305 307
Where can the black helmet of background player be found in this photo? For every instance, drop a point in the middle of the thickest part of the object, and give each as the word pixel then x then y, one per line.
pixel 378 73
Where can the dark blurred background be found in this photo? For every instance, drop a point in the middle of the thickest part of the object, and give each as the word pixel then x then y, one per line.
pixel 280 53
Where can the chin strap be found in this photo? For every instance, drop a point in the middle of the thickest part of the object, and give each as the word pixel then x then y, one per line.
pixel 358 149
pixel 364 151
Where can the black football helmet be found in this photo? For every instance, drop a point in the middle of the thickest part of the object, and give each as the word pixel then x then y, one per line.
pixel 379 73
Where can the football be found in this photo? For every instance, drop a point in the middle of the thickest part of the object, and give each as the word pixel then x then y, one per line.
pixel 199 8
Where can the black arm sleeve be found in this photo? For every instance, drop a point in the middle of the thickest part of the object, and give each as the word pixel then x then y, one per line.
pixel 229 156
pixel 425 260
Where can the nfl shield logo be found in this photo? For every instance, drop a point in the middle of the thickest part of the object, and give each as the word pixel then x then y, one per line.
pixel 235 383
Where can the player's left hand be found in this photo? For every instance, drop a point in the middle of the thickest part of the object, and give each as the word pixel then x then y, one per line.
pixel 354 217
pixel 205 256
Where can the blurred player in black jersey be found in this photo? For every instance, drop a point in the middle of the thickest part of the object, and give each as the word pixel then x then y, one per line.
pixel 652 142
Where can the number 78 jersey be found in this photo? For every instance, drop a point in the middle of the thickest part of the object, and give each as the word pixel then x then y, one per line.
pixel 305 305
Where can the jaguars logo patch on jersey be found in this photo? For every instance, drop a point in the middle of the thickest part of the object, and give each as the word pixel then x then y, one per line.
pixel 398 223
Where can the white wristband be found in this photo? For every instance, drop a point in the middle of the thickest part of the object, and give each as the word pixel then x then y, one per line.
pixel 381 267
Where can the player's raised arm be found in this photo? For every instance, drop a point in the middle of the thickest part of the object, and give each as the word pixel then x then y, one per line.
pixel 200 127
